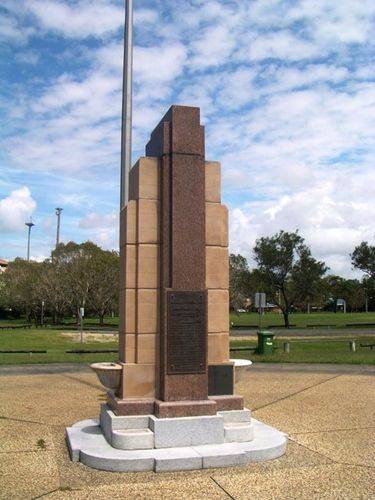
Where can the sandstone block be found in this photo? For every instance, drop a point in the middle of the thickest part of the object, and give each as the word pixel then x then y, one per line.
pixel 218 311
pixel 128 219
pixel 216 224
pixel 213 181
pixel 147 311
pixel 218 348
pixel 217 267
pixel 138 381
pixel 143 179
pixel 148 275
pixel 146 348
pixel 147 220
pixel 127 311
pixel 128 266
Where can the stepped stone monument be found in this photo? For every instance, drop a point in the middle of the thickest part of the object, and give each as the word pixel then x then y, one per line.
pixel 171 403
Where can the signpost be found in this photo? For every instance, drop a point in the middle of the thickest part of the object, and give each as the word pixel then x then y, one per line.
pixel 81 316
pixel 260 303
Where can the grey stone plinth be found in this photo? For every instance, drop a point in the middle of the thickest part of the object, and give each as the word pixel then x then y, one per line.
pixel 133 439
pixel 174 459
pixel 235 415
pixel 238 432
pixel 213 455
pixel 87 443
pixel 187 431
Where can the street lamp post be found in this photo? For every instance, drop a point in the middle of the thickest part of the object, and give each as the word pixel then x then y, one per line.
pixel 126 125
pixel 58 213
pixel 29 224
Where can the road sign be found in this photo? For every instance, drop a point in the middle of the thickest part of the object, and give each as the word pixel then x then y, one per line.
pixel 260 300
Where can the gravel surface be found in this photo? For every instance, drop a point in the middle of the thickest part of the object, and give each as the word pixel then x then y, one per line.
pixel 328 412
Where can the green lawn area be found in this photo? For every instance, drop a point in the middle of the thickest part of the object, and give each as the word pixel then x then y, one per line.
pixel 311 351
pixel 55 343
pixel 303 320
pixel 317 351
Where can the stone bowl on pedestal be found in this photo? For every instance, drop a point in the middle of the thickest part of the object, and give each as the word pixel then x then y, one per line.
pixel 109 374
pixel 240 368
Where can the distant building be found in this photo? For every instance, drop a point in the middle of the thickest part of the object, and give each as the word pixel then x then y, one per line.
pixel 3 265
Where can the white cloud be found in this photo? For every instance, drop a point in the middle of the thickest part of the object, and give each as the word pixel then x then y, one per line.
pixel 101 228
pixel 282 45
pixel 12 31
pixel 16 209
pixel 82 19
pixel 213 47
pixel 95 220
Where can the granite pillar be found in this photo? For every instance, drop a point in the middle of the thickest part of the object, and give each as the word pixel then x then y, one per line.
pixel 174 339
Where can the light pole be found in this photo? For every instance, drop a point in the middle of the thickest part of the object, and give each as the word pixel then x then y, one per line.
pixel 126 124
pixel 58 213
pixel 29 224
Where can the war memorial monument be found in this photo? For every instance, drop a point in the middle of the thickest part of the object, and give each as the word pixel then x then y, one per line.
pixel 171 403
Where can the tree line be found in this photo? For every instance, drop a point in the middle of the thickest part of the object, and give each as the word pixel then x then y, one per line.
pixel 294 280
pixel 84 275
pixel 75 276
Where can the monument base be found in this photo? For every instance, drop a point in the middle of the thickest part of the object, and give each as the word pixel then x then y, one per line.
pixel 170 409
pixel 146 442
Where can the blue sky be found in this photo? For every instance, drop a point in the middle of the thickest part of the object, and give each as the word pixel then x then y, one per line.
pixel 287 95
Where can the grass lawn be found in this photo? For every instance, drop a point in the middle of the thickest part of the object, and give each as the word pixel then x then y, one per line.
pixel 56 343
pixel 314 351
pixel 303 320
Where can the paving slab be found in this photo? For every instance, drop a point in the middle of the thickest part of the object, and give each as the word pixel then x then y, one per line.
pixel 355 446
pixel 308 467
pixel 16 435
pixel 27 474
pixel 186 487
pixel 260 388
pixel 329 481
pixel 345 402
pixel 51 399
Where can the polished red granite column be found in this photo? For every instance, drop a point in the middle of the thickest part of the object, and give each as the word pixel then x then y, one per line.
pixel 179 141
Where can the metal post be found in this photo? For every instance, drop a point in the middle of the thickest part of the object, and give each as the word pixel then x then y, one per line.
pixel 286 347
pixel 58 213
pixel 126 126
pixel 29 225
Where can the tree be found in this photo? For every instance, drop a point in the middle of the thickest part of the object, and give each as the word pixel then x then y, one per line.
pixel 363 258
pixel 104 289
pixel 238 277
pixel 74 261
pixel 52 289
pixel 87 277
pixel 22 279
pixel 288 269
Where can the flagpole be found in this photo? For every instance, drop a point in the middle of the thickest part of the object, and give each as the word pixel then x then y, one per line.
pixel 126 125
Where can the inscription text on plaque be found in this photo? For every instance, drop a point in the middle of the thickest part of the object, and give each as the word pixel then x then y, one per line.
pixel 186 336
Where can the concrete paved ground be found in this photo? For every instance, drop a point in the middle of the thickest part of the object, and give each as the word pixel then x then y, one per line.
pixel 328 411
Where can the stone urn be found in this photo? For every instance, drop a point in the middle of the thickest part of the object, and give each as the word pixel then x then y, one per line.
pixel 240 368
pixel 109 374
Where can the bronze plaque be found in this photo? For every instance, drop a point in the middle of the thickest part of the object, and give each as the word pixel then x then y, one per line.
pixel 186 336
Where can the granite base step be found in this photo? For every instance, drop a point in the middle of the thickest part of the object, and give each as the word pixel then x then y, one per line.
pixel 88 445
pixel 133 439
pixel 238 432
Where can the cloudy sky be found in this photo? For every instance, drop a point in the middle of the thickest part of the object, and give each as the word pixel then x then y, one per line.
pixel 286 89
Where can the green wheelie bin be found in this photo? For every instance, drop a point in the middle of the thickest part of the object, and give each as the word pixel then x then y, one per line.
pixel 265 342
